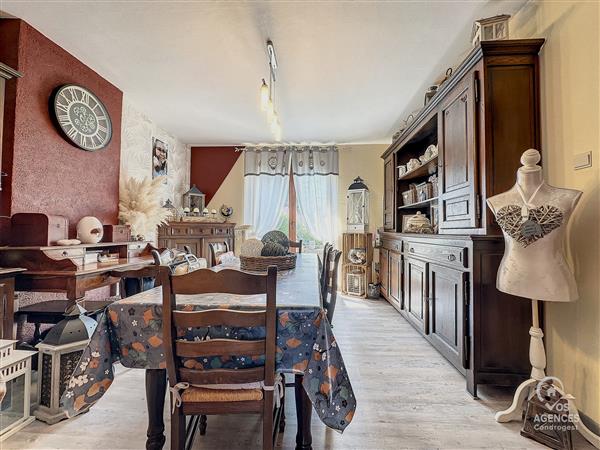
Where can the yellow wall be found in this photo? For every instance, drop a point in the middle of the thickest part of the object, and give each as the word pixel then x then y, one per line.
pixel 570 79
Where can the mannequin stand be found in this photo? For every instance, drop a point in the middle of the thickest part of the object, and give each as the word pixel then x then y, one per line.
pixel 537 358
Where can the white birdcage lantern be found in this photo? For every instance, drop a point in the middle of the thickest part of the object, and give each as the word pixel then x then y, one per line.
pixel 194 199
pixel 490 29
pixel 357 207
pixel 15 388
pixel 59 354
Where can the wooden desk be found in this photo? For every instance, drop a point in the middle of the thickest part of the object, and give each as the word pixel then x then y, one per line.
pixel 7 301
pixel 62 269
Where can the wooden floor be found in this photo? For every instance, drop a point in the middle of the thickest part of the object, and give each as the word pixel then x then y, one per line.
pixel 408 397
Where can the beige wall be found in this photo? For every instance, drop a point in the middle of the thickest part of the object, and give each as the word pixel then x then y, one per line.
pixel 570 79
pixel 231 193
pixel 355 160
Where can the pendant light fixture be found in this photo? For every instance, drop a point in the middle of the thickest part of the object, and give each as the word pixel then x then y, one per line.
pixel 267 94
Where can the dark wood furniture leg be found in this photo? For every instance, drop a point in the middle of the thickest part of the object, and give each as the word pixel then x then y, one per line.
pixel 303 413
pixel 156 388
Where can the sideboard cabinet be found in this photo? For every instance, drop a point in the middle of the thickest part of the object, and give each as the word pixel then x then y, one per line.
pixel 196 235
pixel 481 119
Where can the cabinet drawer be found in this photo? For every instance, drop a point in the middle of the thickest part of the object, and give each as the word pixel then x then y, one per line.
pixel 179 230
pixel 456 256
pixel 395 246
pixel 222 231
pixel 134 247
pixel 64 253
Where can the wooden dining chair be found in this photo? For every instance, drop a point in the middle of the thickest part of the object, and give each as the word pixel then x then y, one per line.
pixel 296 244
pixel 192 393
pixel 326 249
pixel 329 295
pixel 216 250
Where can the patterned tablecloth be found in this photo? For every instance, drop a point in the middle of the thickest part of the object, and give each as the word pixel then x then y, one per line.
pixel 130 331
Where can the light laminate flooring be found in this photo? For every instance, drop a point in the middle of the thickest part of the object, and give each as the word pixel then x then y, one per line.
pixel 408 396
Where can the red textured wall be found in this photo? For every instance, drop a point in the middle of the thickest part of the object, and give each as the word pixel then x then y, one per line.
pixel 46 173
pixel 210 166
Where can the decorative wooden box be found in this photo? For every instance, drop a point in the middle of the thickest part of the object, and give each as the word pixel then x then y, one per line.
pixel 117 233
pixel 36 229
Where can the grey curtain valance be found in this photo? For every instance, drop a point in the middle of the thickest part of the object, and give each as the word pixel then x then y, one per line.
pixel 315 160
pixel 303 159
pixel 266 161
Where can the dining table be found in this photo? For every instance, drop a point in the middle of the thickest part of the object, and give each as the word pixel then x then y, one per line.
pixel 129 332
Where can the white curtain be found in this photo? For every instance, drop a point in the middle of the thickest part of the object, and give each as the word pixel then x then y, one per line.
pixel 315 171
pixel 266 186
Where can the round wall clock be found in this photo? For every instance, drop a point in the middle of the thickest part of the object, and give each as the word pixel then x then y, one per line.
pixel 82 117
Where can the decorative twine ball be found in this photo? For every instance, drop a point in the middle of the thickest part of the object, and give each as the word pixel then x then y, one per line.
pixel 90 230
pixel 273 249
pixel 251 247
pixel 277 237
pixel 357 256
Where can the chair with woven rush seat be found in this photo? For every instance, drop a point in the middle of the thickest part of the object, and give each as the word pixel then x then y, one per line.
pixel 220 391
pixel 298 245
pixel 329 293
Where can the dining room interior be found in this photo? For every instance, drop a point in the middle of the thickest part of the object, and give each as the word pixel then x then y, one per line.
pixel 300 224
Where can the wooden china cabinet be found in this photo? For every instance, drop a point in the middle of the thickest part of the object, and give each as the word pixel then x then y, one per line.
pixel 481 119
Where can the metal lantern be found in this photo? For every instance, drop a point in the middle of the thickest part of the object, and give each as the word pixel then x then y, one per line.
pixel 194 199
pixel 15 386
pixel 60 353
pixel 490 29
pixel 357 207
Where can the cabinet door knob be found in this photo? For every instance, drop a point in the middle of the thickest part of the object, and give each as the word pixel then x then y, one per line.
pixel 65 253
pixel 451 258
pixel 412 250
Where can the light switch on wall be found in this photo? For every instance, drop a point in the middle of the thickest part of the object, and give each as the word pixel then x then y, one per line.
pixel 582 160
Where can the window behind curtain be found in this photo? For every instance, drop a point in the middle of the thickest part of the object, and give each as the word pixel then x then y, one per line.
pixel 268 199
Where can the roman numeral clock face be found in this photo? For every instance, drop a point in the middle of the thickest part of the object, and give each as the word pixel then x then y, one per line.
pixel 82 117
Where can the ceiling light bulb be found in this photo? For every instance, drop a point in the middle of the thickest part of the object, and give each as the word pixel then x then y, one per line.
pixel 264 96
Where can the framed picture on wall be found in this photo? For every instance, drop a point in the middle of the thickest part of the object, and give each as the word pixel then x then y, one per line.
pixel 160 158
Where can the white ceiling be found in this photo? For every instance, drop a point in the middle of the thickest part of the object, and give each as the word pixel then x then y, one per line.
pixel 349 71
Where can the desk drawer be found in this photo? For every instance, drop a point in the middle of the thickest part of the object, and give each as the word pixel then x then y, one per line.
pixel 455 256
pixel 65 253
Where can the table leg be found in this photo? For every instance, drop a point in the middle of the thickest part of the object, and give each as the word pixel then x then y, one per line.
pixel 303 414
pixel 156 388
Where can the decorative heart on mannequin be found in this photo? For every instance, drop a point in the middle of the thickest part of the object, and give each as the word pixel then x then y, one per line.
pixel 540 221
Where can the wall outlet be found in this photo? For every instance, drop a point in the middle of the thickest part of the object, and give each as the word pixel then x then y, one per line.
pixel 582 160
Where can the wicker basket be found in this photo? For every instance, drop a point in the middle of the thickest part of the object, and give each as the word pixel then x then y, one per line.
pixel 261 263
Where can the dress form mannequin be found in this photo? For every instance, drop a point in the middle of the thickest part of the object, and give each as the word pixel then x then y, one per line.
pixel 533 216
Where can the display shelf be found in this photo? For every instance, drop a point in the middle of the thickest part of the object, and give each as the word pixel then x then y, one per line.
pixel 429 168
pixel 418 204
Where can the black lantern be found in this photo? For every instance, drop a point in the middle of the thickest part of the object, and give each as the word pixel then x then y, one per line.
pixel 59 355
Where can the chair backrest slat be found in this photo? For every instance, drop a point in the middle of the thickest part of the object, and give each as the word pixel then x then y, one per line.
pixel 222 376
pixel 219 347
pixel 226 281
pixel 241 319
pixel 298 245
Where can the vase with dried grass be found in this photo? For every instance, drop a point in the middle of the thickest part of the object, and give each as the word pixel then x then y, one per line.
pixel 139 206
